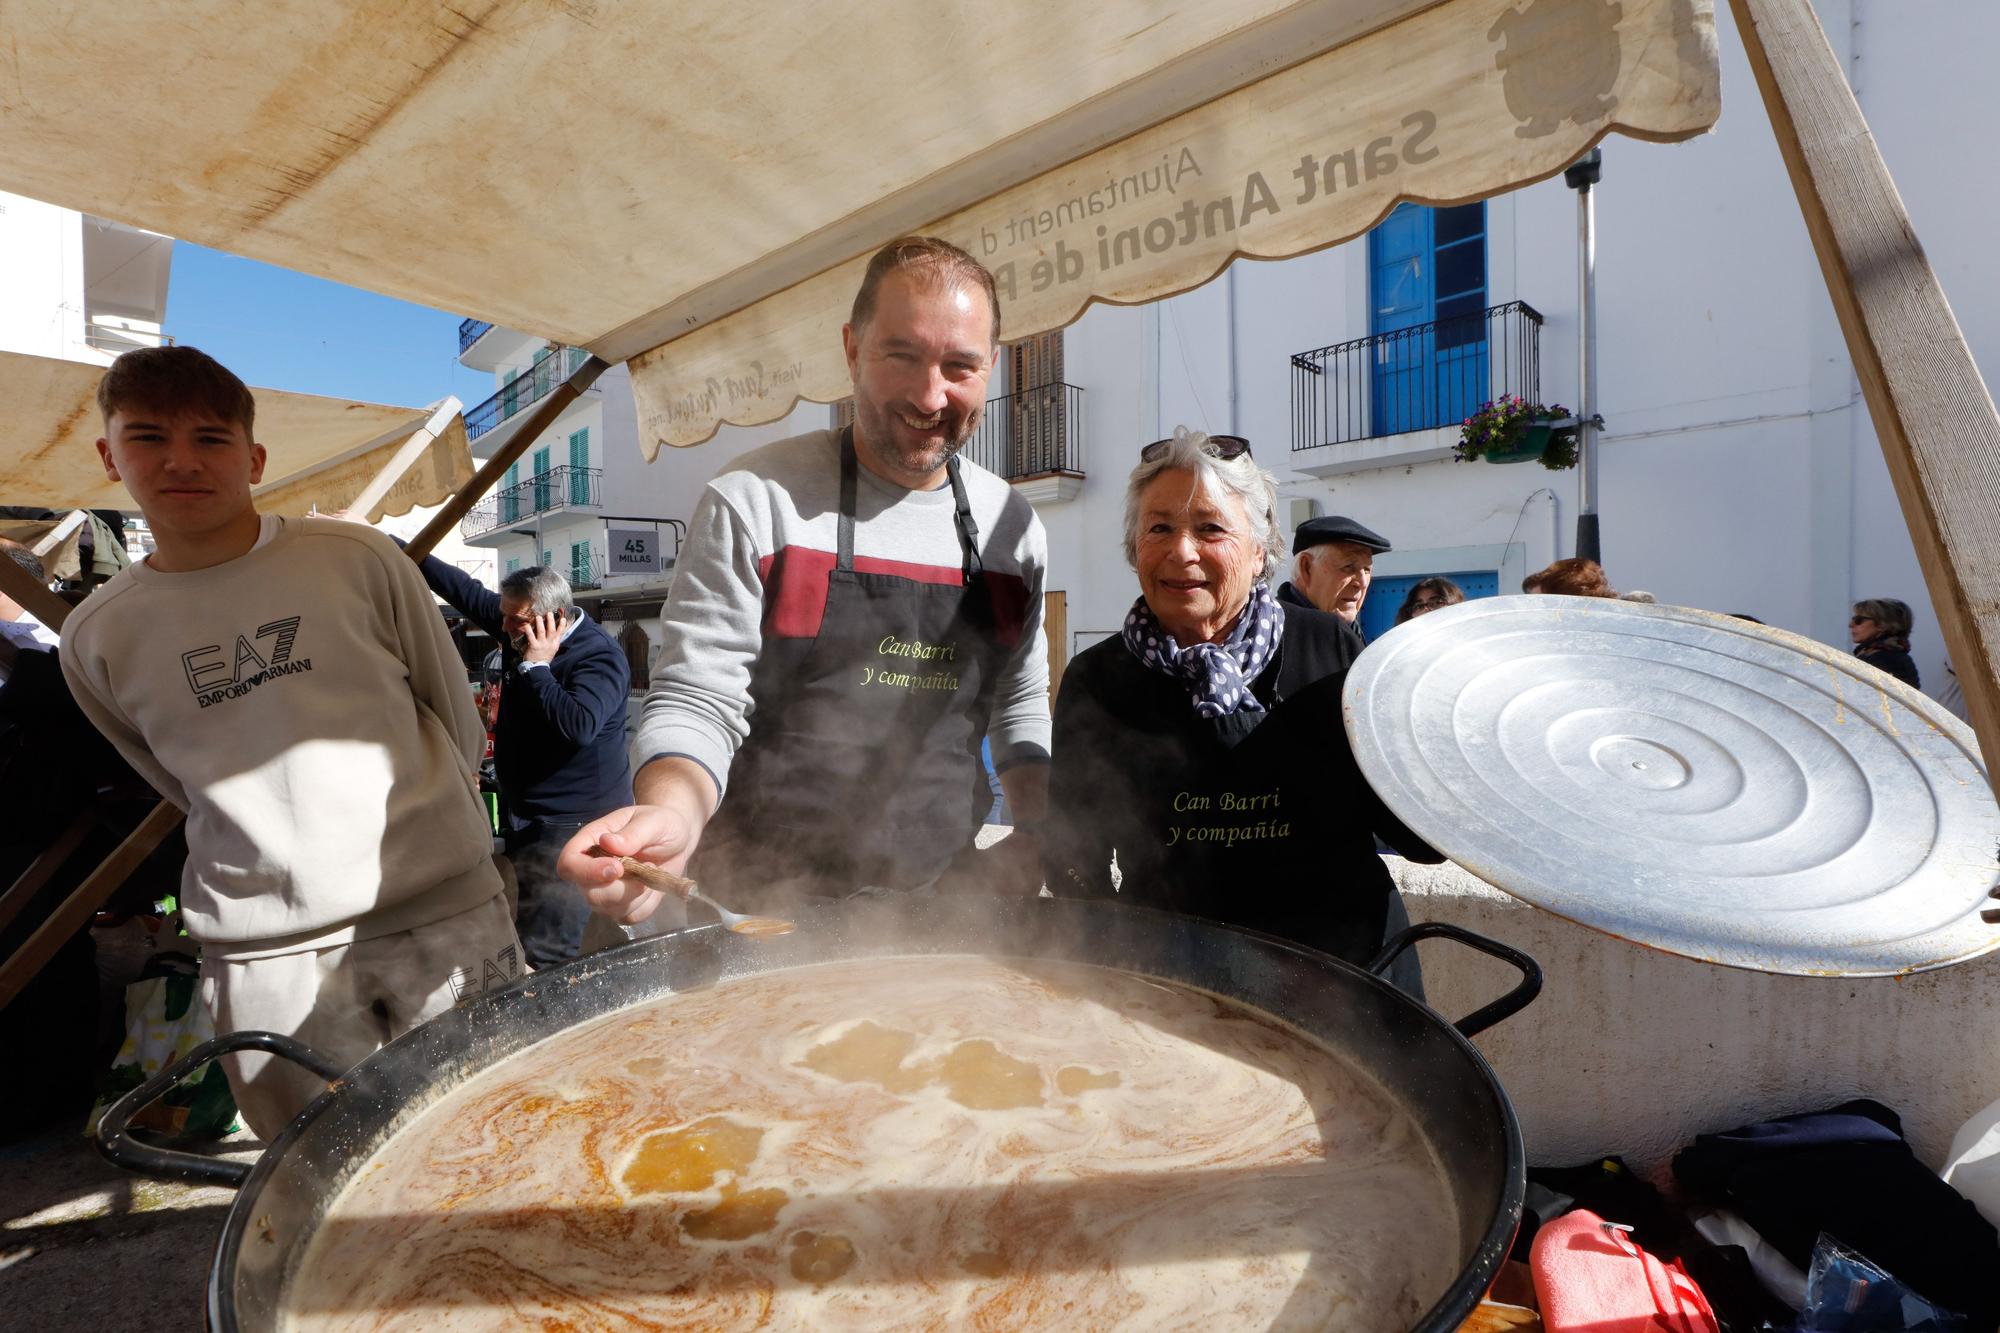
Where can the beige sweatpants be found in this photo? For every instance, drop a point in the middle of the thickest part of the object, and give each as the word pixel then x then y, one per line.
pixel 347 1001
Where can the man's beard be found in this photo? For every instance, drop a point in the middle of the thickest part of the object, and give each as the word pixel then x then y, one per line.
pixel 875 435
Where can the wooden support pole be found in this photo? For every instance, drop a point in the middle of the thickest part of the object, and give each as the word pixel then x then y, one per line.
pixel 43 868
pixel 92 894
pixel 1931 409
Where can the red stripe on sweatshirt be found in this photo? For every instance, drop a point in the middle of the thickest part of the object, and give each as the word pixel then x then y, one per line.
pixel 795 583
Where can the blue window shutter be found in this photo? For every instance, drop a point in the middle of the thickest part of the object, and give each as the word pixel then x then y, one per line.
pixel 1385 595
pixel 1427 301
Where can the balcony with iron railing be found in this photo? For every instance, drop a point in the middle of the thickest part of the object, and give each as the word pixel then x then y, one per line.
pixel 471 331
pixel 530 387
pixel 545 492
pixel 1033 437
pixel 1428 377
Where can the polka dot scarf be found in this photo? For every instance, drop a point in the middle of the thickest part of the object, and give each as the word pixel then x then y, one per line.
pixel 1217 675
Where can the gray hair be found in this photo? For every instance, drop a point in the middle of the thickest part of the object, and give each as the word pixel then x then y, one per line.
pixel 1239 477
pixel 546 590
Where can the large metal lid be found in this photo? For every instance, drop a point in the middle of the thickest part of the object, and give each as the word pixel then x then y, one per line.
pixel 1687 781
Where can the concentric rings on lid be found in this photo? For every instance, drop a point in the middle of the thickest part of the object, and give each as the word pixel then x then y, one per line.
pixel 1688 781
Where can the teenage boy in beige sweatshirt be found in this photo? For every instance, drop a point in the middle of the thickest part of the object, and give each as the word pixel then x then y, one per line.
pixel 290 684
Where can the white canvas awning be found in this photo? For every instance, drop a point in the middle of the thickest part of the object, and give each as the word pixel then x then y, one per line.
pixel 694 186
pixel 321 452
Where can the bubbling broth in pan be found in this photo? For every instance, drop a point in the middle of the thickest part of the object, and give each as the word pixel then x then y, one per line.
pixel 925 1141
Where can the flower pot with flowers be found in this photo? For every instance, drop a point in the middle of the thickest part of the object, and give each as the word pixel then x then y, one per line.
pixel 1512 430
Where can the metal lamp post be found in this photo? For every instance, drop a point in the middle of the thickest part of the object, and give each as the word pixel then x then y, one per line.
pixel 1581 176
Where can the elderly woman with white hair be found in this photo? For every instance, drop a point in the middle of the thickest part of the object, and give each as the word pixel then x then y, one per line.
pixel 1203 745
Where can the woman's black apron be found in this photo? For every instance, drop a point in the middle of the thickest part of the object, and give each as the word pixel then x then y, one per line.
pixel 862 766
pixel 1259 817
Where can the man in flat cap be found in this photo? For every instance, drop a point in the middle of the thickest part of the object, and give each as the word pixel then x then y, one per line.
pixel 1335 559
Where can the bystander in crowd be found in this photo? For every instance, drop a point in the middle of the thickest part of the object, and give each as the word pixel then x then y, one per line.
pixel 1575 577
pixel 1880 630
pixel 1426 595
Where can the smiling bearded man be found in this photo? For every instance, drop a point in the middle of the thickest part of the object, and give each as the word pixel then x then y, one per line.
pixel 852 613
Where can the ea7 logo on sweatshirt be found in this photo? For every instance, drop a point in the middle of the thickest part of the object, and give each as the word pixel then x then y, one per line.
pixel 215 673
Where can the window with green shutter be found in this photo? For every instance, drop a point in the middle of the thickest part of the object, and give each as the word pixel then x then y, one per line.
pixel 579 466
pixel 513 563
pixel 579 564
pixel 510 499
pixel 548 560
pixel 544 488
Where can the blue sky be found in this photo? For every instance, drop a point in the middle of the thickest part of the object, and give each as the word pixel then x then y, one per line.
pixel 283 330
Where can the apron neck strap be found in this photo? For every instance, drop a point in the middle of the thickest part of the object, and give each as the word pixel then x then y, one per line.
pixel 844 555
pixel 968 528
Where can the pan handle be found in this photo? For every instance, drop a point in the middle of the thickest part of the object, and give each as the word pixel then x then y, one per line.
pixel 115 1140
pixel 1513 1002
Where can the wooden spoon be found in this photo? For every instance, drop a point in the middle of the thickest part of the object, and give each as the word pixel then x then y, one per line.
pixel 758 927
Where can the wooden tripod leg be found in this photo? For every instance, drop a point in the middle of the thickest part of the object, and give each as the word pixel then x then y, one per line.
pixel 90 895
pixel 43 868
pixel 1932 412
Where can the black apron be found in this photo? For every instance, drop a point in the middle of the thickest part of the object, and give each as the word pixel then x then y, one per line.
pixel 1259 818
pixel 1243 836
pixel 862 766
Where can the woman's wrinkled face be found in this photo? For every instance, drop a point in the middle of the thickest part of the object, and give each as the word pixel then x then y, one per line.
pixel 1196 557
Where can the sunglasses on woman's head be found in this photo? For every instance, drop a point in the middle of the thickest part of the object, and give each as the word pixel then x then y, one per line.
pixel 1224 447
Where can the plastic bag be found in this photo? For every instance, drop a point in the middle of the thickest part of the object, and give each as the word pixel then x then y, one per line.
pixel 164 1020
pixel 1845 1293
pixel 1972 1164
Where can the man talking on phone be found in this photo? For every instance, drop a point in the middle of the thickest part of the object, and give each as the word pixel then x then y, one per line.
pixel 559 742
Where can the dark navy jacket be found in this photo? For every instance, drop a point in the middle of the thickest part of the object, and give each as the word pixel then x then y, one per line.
pixel 1351 642
pixel 559 744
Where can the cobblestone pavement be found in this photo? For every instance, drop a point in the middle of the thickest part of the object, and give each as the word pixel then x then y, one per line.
pixel 87 1246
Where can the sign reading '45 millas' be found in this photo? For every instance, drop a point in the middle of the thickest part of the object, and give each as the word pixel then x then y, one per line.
pixel 634 550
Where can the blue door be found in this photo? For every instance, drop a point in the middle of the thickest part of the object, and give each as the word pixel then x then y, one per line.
pixel 1385 595
pixel 1427 302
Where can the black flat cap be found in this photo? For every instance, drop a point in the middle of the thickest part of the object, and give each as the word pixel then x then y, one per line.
pixel 1337 528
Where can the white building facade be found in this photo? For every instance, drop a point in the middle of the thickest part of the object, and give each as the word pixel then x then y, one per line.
pixel 1739 470
pixel 78 287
